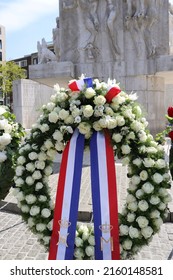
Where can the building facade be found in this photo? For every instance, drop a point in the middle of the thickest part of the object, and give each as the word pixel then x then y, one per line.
pixel 2 44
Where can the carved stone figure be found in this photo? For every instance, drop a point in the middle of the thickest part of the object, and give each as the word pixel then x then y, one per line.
pixel 90 18
pixel 112 15
pixel 56 39
pixel 69 4
pixel 44 54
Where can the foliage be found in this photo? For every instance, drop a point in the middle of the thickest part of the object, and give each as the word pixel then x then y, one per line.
pixel 89 111
pixel 9 72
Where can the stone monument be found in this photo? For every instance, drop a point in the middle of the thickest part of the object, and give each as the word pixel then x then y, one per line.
pixel 123 39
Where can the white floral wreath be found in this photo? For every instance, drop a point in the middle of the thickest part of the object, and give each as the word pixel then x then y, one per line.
pixel 88 110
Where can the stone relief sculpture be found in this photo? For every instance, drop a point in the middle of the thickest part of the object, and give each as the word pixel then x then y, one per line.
pixel 112 15
pixel 69 4
pixel 56 39
pixel 91 22
pixel 141 16
pixel 44 54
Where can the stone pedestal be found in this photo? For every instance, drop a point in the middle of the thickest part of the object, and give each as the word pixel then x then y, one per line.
pixel 28 97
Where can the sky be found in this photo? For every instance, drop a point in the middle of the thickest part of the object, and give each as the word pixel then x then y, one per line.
pixel 26 22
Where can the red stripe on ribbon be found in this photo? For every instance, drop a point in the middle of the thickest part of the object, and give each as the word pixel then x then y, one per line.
pixel 112 92
pixel 58 205
pixel 113 200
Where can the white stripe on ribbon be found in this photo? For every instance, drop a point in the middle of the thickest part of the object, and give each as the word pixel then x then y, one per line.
pixel 104 196
pixel 67 193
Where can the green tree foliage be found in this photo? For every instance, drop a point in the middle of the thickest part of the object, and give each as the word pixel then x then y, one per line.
pixel 9 72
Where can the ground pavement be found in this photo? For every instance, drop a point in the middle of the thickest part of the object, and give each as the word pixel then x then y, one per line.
pixel 18 243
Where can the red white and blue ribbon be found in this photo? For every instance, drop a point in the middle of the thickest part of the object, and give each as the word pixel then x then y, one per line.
pixel 77 85
pixel 104 198
pixel 67 199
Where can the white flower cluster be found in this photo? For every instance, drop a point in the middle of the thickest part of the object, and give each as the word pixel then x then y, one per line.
pixel 5 134
pixel 84 242
pixel 89 111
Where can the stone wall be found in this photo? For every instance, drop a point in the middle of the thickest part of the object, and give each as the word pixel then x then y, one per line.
pixel 28 97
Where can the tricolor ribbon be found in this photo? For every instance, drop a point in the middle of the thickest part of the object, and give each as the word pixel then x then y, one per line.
pixel 77 85
pixel 104 199
pixel 67 199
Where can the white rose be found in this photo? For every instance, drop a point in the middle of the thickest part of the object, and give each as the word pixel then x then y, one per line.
pixel 109 111
pixel 128 113
pixel 35 210
pixel 61 96
pixel 127 244
pixel 44 127
pixel 48 144
pixel 50 225
pixel 84 128
pixel 131 135
pixel 88 111
pixel 32 156
pixel 20 196
pixel 76 112
pixel 142 221
pixel 132 206
pixel 148 188
pixel 143 175
pixel 48 170
pixel 167 198
pixel 158 222
pixel 125 161
pixel 40 227
pixel 38 186
pixel 19 182
pixel 133 232
pixel 120 120
pixel 161 206
pixel 46 239
pixel 132 187
pixel 131 217
pixel 155 214
pixel 2 110
pixel 99 100
pixel 137 162
pixel 21 160
pixel 57 135
pixel 19 170
pixel 42 198
pixel 30 167
pixel 40 164
pixel 25 209
pixel 29 181
pixel 59 146
pixel 152 150
pixel 157 178
pixel 42 156
pixel 125 149
pixel 83 228
pixel 78 242
pixel 50 106
pixel 124 230
pixel 147 232
pixel 117 137
pixel 53 117
pixel 142 136
pixel 136 126
pixel 91 240
pixel 45 213
pixel 69 120
pixel 97 126
pixel 79 253
pixel 3 156
pixel 30 198
pixel 130 198
pixel 90 92
pixel 160 163
pixel 63 114
pixel 51 154
pixel 139 194
pixel 143 205
pixel 85 236
pixel 36 175
pixel 89 250
pixel 5 139
pixel 154 200
pixel 135 179
pixel 31 222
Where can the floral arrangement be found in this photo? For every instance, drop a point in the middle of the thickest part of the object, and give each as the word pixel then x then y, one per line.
pixel 89 110
pixel 11 134
pixel 84 242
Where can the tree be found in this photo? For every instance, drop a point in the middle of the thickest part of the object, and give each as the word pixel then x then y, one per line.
pixel 9 72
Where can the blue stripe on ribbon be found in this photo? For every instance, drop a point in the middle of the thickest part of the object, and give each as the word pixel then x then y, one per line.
pixel 75 197
pixel 88 82
pixel 96 196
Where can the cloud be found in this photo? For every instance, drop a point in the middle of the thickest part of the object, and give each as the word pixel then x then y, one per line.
pixel 17 14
